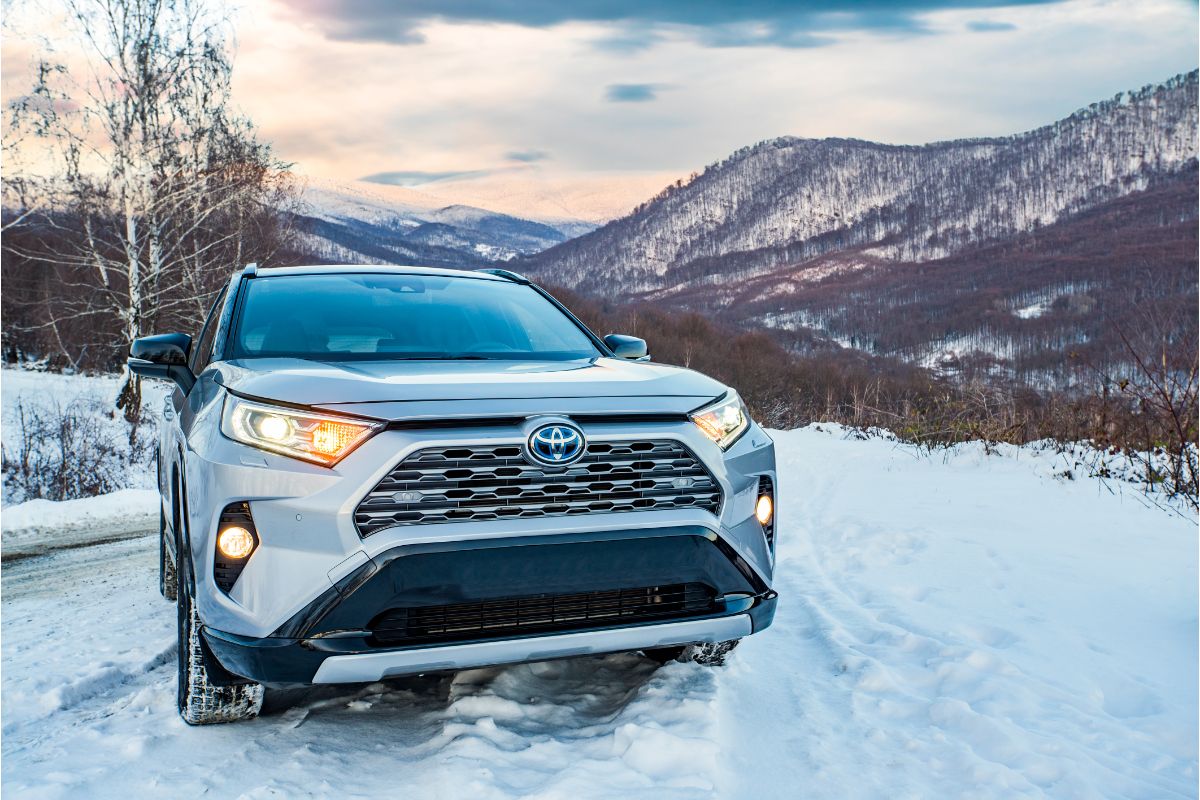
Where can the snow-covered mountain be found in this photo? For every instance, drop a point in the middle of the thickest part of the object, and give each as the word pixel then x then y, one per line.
pixel 1025 255
pixel 790 200
pixel 375 223
pixel 548 195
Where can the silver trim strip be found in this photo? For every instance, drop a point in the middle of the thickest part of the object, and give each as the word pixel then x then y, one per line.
pixel 367 667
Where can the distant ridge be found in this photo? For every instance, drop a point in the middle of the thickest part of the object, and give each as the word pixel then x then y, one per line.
pixel 787 200
pixel 1017 254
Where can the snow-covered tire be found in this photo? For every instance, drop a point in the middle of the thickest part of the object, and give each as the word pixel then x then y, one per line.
pixel 201 702
pixel 168 578
pixel 710 654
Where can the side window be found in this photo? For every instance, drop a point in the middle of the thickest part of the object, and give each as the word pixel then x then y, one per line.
pixel 202 349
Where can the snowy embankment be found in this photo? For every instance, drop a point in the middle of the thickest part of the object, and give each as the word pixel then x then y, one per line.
pixel 36 527
pixel 47 414
pixel 952 625
pixel 52 412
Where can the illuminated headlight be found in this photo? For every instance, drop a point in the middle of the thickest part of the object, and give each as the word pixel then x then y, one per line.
pixel 322 438
pixel 723 421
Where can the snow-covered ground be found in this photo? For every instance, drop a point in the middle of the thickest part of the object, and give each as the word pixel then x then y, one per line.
pixel 78 414
pixel 954 625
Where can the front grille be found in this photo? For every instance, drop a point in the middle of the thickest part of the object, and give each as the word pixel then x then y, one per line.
pixel 486 482
pixel 539 614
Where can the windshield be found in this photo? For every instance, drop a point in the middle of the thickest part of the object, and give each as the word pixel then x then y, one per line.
pixel 372 317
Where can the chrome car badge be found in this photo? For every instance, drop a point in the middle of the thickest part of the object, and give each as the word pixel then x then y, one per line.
pixel 555 445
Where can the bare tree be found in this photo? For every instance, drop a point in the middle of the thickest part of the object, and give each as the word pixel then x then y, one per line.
pixel 160 187
pixel 1163 384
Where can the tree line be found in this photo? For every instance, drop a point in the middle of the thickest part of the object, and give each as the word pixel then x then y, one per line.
pixel 1146 418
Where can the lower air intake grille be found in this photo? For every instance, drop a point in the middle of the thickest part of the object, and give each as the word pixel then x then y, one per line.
pixel 540 614
pixel 485 482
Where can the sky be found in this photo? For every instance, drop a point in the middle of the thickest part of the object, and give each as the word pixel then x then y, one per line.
pixel 420 91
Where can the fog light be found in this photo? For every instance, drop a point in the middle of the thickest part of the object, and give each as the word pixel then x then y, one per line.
pixel 763 510
pixel 235 542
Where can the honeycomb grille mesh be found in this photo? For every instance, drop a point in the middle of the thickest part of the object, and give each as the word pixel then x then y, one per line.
pixel 487 482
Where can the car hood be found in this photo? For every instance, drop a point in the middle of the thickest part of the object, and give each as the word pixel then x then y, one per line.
pixel 424 389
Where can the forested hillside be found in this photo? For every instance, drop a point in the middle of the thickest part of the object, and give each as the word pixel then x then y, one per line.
pixel 1021 254
pixel 789 199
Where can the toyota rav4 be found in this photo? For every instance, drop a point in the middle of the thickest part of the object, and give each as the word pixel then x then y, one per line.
pixel 369 472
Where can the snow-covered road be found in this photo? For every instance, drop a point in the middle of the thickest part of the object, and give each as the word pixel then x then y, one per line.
pixel 949 626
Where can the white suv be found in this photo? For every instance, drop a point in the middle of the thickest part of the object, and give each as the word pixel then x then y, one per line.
pixel 378 471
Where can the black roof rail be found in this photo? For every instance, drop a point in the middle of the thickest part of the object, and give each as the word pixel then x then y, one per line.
pixel 507 275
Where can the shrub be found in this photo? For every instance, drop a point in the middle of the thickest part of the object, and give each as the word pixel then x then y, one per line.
pixel 63 452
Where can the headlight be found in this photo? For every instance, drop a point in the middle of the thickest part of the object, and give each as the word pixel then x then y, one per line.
pixel 322 438
pixel 723 421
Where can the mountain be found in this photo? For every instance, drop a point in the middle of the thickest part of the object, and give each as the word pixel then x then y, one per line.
pixel 465 222
pixel 391 224
pixel 845 240
pixel 553 196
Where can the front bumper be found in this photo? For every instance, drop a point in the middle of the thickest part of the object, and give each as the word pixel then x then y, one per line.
pixel 304 515
pixel 338 638
pixel 277 662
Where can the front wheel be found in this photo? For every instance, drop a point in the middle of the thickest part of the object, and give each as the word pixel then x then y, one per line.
pixel 201 702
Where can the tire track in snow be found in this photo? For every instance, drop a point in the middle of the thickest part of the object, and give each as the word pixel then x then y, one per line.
pixel 917 704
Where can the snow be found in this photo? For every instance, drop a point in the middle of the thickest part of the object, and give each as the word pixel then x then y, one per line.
pixel 1033 311
pixel 93 397
pixel 964 623
pixel 572 201
pixel 39 526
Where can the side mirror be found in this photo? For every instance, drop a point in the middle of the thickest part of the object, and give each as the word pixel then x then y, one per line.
pixel 164 357
pixel 629 347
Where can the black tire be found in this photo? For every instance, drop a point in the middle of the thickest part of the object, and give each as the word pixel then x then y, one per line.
pixel 168 578
pixel 709 654
pixel 201 702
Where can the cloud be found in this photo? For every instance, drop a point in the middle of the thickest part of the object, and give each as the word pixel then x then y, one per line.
pixel 417 178
pixel 714 23
pixel 628 41
pixel 633 92
pixel 759 36
pixel 526 156
pixel 988 26
pixel 474 94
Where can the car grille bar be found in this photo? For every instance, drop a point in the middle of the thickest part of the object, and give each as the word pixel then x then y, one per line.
pixel 487 482
pixel 540 614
